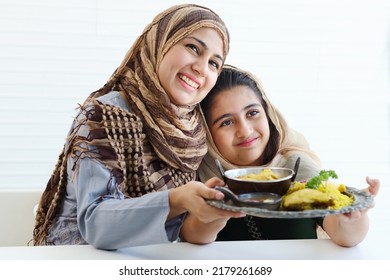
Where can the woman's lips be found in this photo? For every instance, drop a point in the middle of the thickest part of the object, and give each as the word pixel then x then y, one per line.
pixel 248 142
pixel 188 81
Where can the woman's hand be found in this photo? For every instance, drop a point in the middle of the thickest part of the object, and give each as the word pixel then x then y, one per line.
pixel 191 198
pixel 203 222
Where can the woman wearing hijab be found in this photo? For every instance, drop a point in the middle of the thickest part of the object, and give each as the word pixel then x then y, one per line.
pixel 126 174
pixel 245 129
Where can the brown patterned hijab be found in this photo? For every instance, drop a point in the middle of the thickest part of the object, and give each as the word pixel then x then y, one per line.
pixel 177 135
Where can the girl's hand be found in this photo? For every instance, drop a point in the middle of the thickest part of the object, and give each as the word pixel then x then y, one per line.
pixel 374 185
pixel 373 189
pixel 350 229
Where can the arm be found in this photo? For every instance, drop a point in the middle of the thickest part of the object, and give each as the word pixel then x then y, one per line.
pixel 197 232
pixel 104 217
pixel 350 229
pixel 112 222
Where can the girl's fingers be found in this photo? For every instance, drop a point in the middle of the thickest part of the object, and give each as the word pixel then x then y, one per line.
pixel 374 185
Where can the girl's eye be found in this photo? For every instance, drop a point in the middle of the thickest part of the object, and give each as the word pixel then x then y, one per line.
pixel 226 123
pixel 253 113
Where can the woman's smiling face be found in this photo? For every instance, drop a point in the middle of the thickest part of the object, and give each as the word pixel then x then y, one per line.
pixel 239 126
pixel 190 68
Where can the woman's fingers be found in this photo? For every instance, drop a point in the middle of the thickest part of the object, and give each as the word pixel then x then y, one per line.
pixel 213 182
pixel 214 194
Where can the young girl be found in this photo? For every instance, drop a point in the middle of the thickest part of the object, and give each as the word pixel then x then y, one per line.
pixel 126 174
pixel 245 129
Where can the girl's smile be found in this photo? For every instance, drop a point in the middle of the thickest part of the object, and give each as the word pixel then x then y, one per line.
pixel 249 142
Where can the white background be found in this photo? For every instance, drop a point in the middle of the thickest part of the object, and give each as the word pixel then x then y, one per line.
pixel 324 64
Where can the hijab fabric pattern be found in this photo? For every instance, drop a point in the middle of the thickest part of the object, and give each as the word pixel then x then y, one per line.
pixel 171 137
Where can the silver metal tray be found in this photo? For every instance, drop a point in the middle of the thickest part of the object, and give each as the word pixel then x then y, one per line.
pixel 362 199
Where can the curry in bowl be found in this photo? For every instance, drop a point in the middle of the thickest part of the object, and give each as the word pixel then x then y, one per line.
pixel 264 175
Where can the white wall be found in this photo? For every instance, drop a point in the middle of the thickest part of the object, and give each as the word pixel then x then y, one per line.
pixel 17 217
pixel 324 63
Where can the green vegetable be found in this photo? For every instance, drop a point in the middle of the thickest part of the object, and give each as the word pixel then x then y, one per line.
pixel 314 182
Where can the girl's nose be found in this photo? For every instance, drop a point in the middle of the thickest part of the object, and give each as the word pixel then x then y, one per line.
pixel 244 129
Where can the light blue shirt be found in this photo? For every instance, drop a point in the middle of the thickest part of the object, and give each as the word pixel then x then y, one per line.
pixel 110 222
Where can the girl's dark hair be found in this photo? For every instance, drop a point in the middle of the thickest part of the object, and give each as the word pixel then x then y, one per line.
pixel 228 79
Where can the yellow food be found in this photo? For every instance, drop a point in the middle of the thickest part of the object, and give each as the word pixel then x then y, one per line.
pixel 328 195
pixel 307 199
pixel 264 175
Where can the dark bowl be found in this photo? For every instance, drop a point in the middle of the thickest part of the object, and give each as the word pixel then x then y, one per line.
pixel 241 186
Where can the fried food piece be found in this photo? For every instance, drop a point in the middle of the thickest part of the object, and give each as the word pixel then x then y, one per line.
pixel 306 199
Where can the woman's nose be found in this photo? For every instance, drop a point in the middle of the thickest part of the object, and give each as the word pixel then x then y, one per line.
pixel 200 67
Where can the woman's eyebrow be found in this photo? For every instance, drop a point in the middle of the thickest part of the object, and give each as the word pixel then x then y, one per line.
pixel 203 44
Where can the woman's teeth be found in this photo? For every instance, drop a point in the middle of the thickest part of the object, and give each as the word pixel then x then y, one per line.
pixel 188 81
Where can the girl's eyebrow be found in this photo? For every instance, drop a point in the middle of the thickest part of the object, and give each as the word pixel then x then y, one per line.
pixel 221 117
pixel 203 44
pixel 252 105
pixel 244 109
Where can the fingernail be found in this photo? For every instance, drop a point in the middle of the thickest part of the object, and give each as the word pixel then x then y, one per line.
pixel 219 196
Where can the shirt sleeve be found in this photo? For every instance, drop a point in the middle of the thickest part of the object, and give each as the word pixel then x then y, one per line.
pixel 107 220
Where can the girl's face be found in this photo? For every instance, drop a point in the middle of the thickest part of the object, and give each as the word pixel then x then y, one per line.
pixel 190 68
pixel 239 126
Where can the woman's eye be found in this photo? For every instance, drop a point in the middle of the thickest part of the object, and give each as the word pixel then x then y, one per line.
pixel 194 48
pixel 197 50
pixel 214 64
